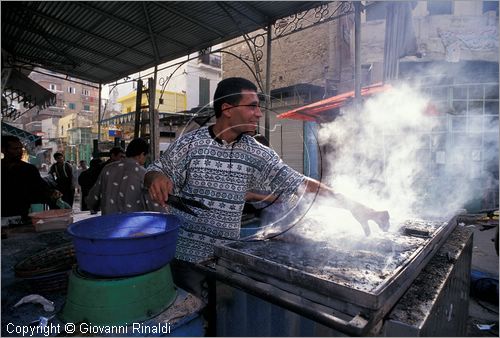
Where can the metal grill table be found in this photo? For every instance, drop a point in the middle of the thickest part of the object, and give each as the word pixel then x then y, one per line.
pixel 298 276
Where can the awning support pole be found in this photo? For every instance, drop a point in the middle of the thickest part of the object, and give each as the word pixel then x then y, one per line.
pixel 154 118
pixel 268 83
pixel 357 51
pixel 99 115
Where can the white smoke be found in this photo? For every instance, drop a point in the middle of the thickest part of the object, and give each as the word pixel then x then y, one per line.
pixel 386 154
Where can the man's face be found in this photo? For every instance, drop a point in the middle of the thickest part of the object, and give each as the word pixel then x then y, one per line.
pixel 13 150
pixel 60 159
pixel 142 158
pixel 244 117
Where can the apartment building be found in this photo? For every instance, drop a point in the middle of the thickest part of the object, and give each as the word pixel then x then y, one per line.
pixel 72 122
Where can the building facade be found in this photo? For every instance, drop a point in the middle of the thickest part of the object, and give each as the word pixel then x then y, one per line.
pixel 182 85
pixel 456 65
pixel 69 124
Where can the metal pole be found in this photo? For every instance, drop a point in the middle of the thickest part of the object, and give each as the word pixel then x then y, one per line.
pixel 138 105
pixel 357 51
pixel 99 115
pixel 268 84
pixel 154 118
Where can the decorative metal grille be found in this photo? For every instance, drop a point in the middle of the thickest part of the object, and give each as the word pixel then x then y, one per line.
pixel 324 13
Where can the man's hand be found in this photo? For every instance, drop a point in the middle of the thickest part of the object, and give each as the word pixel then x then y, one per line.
pixel 55 194
pixel 379 217
pixel 360 212
pixel 159 186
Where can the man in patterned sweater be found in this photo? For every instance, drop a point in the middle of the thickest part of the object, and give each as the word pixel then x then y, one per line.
pixel 217 165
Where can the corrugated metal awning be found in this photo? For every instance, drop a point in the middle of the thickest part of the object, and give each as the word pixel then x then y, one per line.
pixel 104 41
pixel 29 140
pixel 18 87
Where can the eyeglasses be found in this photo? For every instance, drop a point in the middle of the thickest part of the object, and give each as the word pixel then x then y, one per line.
pixel 254 106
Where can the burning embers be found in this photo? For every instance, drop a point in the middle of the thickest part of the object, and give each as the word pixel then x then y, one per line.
pixel 356 262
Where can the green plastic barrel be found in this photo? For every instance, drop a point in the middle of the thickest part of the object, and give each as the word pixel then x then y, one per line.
pixel 118 301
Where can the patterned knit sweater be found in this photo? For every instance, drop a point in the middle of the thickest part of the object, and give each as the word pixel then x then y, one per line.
pixel 218 174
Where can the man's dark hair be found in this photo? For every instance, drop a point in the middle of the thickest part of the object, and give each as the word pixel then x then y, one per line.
pixel 116 150
pixel 57 155
pixel 95 162
pixel 229 91
pixel 9 138
pixel 136 147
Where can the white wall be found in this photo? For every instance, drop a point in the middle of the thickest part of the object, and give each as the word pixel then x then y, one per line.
pixel 49 127
pixel 185 79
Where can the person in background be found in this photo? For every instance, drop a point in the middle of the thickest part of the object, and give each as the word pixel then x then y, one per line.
pixel 82 167
pixel 87 179
pixel 119 187
pixel 115 154
pixel 63 175
pixel 22 184
pixel 217 165
pixel 74 169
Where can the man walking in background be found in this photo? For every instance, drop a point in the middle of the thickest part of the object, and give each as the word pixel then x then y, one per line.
pixel 119 187
pixel 63 175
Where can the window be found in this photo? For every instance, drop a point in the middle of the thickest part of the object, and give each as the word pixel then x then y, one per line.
pixel 213 60
pixel 490 6
pixel 375 11
pixel 72 90
pixel 62 130
pixel 204 91
pixel 86 107
pixel 438 7
pixel 52 86
pixel 85 92
pixel 71 106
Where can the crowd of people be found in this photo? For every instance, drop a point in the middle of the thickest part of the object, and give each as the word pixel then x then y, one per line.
pixel 23 186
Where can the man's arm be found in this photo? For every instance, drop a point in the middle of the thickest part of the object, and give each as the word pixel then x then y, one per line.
pixel 361 212
pixel 94 197
pixel 69 171
pixel 251 196
pixel 52 170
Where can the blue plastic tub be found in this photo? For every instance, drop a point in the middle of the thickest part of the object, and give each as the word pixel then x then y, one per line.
pixel 125 244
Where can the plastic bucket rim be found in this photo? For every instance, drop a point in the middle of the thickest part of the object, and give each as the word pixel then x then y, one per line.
pixel 175 227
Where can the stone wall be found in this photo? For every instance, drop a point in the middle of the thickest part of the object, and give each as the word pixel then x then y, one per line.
pixel 309 56
pixel 467 35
